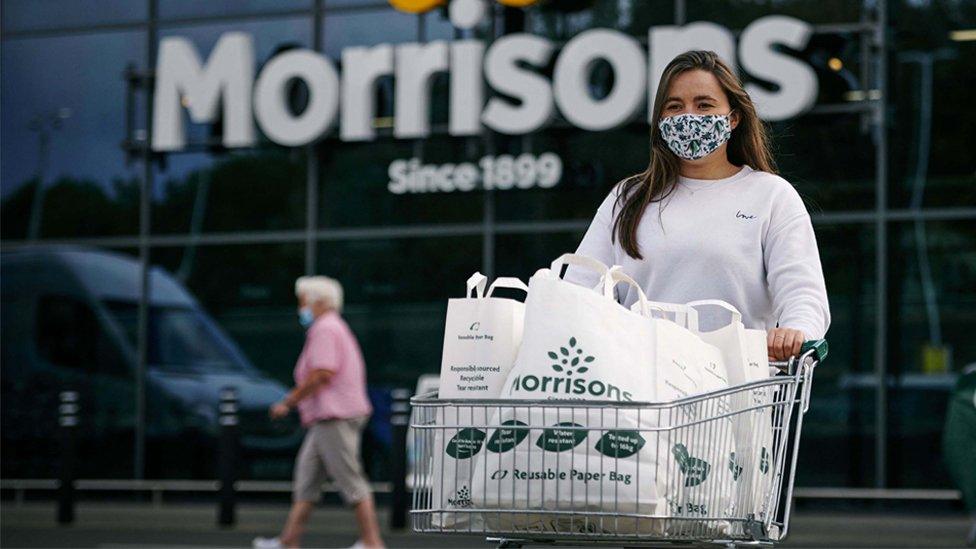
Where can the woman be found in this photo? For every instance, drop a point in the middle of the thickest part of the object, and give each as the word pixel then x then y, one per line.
pixel 709 218
pixel 330 395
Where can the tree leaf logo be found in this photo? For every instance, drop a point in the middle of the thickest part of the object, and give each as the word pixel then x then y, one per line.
pixel 555 439
pixel 570 359
pixel 764 461
pixel 466 443
pixel 620 444
pixel 504 440
pixel 734 467
pixel 695 469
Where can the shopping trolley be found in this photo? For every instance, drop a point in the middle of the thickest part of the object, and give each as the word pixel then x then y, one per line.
pixel 763 419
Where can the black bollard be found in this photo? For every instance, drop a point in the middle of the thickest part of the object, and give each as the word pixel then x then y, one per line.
pixel 400 419
pixel 67 427
pixel 227 457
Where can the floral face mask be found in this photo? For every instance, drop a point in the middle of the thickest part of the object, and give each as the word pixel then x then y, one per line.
pixel 693 136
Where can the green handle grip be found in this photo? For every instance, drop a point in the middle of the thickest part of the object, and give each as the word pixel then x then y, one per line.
pixel 819 347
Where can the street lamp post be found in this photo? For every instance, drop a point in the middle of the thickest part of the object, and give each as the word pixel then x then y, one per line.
pixel 43 125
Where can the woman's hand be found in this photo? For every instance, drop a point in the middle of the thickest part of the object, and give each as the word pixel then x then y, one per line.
pixel 278 410
pixel 782 343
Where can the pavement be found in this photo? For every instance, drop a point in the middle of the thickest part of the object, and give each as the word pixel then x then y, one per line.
pixel 187 525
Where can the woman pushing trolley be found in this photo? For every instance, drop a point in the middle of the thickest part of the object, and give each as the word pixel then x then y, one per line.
pixel 651 387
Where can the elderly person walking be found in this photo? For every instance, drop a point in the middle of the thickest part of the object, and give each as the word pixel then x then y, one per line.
pixel 330 395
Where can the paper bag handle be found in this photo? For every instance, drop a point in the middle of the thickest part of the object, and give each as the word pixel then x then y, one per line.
pixel 684 315
pixel 477 282
pixel 616 275
pixel 586 262
pixel 736 315
pixel 506 282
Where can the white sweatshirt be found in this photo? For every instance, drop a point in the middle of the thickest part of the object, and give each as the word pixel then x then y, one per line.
pixel 746 239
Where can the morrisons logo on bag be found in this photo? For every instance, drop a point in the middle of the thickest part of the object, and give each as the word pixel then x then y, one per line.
pixel 570 361
pixel 462 498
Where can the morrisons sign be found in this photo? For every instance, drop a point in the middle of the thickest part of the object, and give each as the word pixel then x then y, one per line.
pixel 344 103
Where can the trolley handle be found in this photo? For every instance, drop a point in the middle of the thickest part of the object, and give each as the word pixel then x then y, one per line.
pixel 817 346
pixel 815 350
pixel 801 367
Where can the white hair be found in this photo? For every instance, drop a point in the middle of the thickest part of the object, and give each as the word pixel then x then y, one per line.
pixel 320 288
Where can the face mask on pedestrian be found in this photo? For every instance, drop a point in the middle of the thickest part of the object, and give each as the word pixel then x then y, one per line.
pixel 694 136
pixel 305 317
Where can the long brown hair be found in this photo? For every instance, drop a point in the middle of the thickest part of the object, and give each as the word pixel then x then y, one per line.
pixel 749 144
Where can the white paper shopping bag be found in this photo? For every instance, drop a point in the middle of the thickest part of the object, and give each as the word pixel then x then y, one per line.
pixel 482 335
pixel 746 360
pixel 580 345
pixel 694 480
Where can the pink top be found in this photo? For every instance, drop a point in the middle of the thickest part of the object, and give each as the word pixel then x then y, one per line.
pixel 331 345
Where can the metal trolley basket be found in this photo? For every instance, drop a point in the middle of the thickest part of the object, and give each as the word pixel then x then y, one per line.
pixel 762 419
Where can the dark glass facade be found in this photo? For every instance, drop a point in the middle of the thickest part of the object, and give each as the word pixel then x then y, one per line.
pixel 884 160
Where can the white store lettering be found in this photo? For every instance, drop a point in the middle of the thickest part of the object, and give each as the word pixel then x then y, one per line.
pixel 345 102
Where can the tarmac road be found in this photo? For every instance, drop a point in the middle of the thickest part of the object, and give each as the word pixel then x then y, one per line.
pixel 121 525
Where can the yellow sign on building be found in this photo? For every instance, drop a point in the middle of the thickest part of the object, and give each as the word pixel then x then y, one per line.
pixel 421 6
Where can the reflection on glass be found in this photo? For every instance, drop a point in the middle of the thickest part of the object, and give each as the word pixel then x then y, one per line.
pixel 592 164
pixel 55 337
pixel 356 191
pixel 249 292
pixel 521 255
pixel 367 28
pixel 269 34
pixel 737 15
pixel 842 410
pixel 928 84
pixel 357 3
pixel 932 307
pixel 563 20
pixel 22 15
pixel 181 339
pixel 932 296
pixel 396 297
pixel 262 189
pixel 67 333
pixel 88 188
pixel 847 181
pixel 173 9
pixel 437 26
pixel 243 314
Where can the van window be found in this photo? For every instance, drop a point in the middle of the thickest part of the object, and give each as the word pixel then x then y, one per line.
pixel 67 333
pixel 180 338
